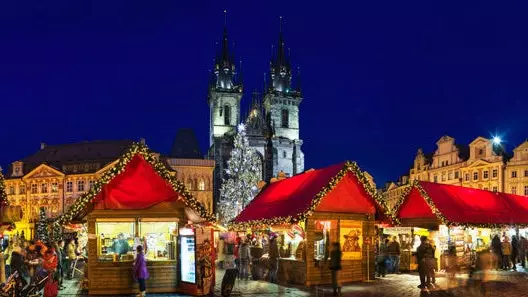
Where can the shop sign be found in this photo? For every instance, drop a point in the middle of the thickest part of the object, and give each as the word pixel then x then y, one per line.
pixel 186 231
pixel 351 239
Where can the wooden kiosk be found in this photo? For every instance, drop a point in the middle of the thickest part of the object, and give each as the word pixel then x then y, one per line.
pixel 139 202
pixel 332 204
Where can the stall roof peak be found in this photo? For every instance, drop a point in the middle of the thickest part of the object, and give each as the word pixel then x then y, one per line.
pixel 80 207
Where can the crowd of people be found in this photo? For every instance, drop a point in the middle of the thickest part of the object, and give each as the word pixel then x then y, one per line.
pixel 33 259
pixel 507 254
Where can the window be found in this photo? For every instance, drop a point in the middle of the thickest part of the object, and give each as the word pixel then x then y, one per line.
pixel 116 239
pixel 475 175
pixel 447 163
pixel 162 246
pixel 54 187
pixel 34 189
pixel 443 177
pixel 227 115
pixel 189 184
pixel 69 187
pixel 22 189
pixel 467 177
pixel 525 190
pixel 201 185
pixel 486 174
pixel 284 154
pixel 514 190
pixel 80 186
pixel 44 188
pixel 11 190
pixel 285 118
pixel 526 173
pixel 456 175
pixel 481 152
pixel 494 189
pixel 450 175
pixel 91 184
pixel 514 174
pixel 485 188
pixel 436 178
pixel 325 234
pixel 494 173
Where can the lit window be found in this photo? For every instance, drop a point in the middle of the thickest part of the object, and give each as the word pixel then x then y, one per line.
pixel 69 187
pixel 443 177
pixel 80 186
pixel 475 175
pixel 34 189
pixel 467 176
pixel 495 173
pixel 22 189
pixel 44 188
pixel 494 189
pixel 486 174
pixel 54 187
pixel 201 185
pixel 11 190
pixel 189 185
pixel 514 174
pixel 91 184
pixel 514 190
pixel 450 175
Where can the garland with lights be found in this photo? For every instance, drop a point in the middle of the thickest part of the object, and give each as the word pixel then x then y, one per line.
pixel 416 185
pixel 3 193
pixel 136 149
pixel 348 167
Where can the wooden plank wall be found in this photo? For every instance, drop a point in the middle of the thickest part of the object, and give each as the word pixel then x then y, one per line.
pixel 353 270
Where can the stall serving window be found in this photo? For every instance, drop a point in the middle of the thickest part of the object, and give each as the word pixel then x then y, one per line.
pixel 326 233
pixel 160 238
pixel 116 240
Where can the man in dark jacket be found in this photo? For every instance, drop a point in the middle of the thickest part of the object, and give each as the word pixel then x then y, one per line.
pixel 394 255
pixel 496 249
pixel 59 249
pixel 273 258
pixel 335 266
pixel 421 257
pixel 381 258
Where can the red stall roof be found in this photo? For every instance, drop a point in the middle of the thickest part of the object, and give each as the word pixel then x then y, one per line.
pixel 455 205
pixel 137 181
pixel 337 188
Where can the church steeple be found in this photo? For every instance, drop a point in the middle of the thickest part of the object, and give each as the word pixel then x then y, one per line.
pixel 280 66
pixel 225 69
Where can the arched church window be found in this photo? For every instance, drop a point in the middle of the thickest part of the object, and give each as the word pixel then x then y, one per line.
pixel 227 115
pixel 189 184
pixel 285 118
pixel 201 185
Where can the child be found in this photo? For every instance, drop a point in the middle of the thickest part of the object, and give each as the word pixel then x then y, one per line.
pixel 140 271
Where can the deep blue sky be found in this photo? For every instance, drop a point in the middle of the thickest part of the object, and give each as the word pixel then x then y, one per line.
pixel 380 78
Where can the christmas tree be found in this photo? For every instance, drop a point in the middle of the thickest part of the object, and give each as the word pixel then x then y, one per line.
pixel 243 174
pixel 57 232
pixel 42 226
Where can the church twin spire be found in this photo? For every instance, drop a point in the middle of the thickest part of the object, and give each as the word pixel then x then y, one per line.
pixel 225 76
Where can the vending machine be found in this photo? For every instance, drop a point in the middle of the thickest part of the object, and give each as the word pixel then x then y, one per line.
pixel 187 256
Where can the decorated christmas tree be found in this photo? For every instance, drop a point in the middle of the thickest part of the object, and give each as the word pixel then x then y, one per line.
pixel 243 174
pixel 56 232
pixel 42 226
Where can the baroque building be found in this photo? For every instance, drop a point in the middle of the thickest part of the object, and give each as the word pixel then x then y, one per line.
pixel 516 175
pixel 272 122
pixel 485 167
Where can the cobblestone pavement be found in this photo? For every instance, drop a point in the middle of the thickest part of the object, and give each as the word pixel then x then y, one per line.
pixel 495 284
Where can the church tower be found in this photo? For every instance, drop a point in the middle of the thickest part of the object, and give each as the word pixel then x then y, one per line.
pixel 225 92
pixel 281 103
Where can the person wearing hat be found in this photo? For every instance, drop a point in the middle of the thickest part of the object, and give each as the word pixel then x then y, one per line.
pixel 351 242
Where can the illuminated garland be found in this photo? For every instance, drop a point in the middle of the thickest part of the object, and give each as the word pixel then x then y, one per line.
pixel 3 193
pixel 416 185
pixel 348 167
pixel 136 149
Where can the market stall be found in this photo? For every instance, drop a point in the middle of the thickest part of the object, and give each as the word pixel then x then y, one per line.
pixel 458 218
pixel 138 202
pixel 311 211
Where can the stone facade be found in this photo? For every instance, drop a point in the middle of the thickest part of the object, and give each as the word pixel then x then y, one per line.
pixel 516 175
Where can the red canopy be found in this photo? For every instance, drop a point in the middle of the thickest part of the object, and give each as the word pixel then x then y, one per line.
pixel 460 205
pixel 337 188
pixel 137 187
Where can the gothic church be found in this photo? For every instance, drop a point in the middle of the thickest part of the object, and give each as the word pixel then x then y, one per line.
pixel 272 122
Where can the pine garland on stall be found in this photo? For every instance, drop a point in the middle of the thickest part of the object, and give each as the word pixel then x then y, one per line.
pixel 42 226
pixel 243 174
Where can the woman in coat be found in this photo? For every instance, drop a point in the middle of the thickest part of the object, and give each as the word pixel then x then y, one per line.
pixel 140 271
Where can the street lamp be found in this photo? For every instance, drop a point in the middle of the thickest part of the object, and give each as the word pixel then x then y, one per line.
pixel 497 140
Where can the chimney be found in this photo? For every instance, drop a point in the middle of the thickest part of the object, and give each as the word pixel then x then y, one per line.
pixel 142 141
pixel 42 145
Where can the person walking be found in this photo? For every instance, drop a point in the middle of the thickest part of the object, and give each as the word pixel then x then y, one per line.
pixel 140 271
pixel 506 253
pixel 430 262
pixel 394 255
pixel 381 259
pixel 243 256
pixel 7 255
pixel 496 249
pixel 273 258
pixel 335 267
pixel 523 244
pixel 59 250
pixel 69 259
pixel 515 252
pixel 421 257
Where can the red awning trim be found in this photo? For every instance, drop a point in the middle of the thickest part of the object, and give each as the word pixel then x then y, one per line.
pixel 299 201
pixel 461 206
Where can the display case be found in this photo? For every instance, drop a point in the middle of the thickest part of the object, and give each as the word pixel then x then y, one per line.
pixel 160 239
pixel 116 240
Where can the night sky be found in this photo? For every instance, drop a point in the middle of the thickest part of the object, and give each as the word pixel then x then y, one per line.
pixel 380 78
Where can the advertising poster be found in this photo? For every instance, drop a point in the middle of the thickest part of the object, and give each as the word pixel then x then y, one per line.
pixel 351 239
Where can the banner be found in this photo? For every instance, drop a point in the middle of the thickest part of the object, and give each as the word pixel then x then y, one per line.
pixel 351 239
